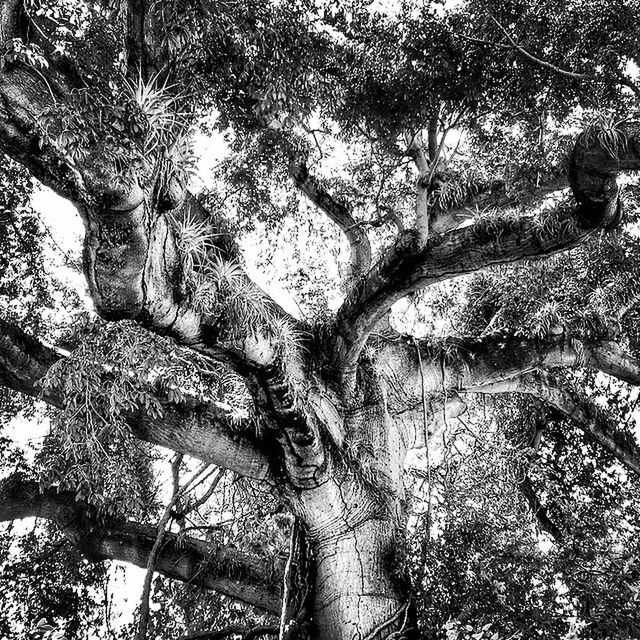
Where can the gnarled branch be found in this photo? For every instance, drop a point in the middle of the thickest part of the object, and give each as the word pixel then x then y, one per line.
pixel 134 263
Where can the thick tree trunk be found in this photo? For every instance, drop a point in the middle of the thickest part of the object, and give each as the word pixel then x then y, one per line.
pixel 358 592
pixel 355 526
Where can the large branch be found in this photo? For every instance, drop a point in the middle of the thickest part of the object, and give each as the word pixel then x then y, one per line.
pixel 337 212
pixel 459 364
pixel 403 271
pixel 408 266
pixel 199 428
pixel 28 94
pixel 134 262
pixel 489 196
pixel 592 419
pixel 251 578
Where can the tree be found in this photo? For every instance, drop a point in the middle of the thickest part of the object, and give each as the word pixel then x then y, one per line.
pixel 434 139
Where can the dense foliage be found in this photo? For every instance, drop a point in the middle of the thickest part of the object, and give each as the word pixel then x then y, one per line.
pixel 523 525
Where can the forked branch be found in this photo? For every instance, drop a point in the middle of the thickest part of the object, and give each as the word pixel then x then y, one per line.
pixel 408 267
pixel 465 364
pixel 143 622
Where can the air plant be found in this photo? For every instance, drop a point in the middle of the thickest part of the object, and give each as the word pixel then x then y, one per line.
pixel 159 107
pixel 195 241
pixel 604 131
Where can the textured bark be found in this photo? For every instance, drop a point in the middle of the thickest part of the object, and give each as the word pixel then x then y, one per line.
pixel 355 526
pixel 443 257
pixel 462 364
pixel 411 265
pixel 544 521
pixel 359 590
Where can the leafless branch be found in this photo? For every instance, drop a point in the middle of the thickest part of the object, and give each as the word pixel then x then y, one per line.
pixel 514 45
pixel 538 61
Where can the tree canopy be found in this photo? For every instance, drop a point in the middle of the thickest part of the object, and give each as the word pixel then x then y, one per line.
pixel 358 356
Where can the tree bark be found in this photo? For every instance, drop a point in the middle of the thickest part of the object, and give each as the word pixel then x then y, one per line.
pixel 360 591
pixel 355 523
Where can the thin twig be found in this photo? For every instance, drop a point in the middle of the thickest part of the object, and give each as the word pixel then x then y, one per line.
pixel 162 525
pixel 539 61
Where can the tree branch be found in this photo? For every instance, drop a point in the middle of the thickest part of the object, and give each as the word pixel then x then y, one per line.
pixel 337 212
pixel 201 429
pixel 134 262
pixel 408 267
pixel 143 622
pixel 490 196
pixel 11 14
pixel 593 420
pixel 425 163
pixel 227 570
pixel 134 14
pixel 403 270
pixel 513 45
pixel 539 61
pixel 464 364
pixel 537 508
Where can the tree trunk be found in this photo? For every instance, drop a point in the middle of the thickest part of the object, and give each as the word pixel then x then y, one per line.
pixel 355 527
pixel 359 592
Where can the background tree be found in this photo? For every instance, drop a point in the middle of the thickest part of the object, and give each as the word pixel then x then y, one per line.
pixel 450 146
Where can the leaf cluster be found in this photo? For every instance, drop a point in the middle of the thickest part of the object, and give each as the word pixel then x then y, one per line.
pixel 119 370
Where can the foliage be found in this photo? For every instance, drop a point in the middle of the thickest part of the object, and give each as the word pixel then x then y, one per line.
pixel 47 583
pixel 117 370
pixel 25 286
pixel 344 85
pixel 483 565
